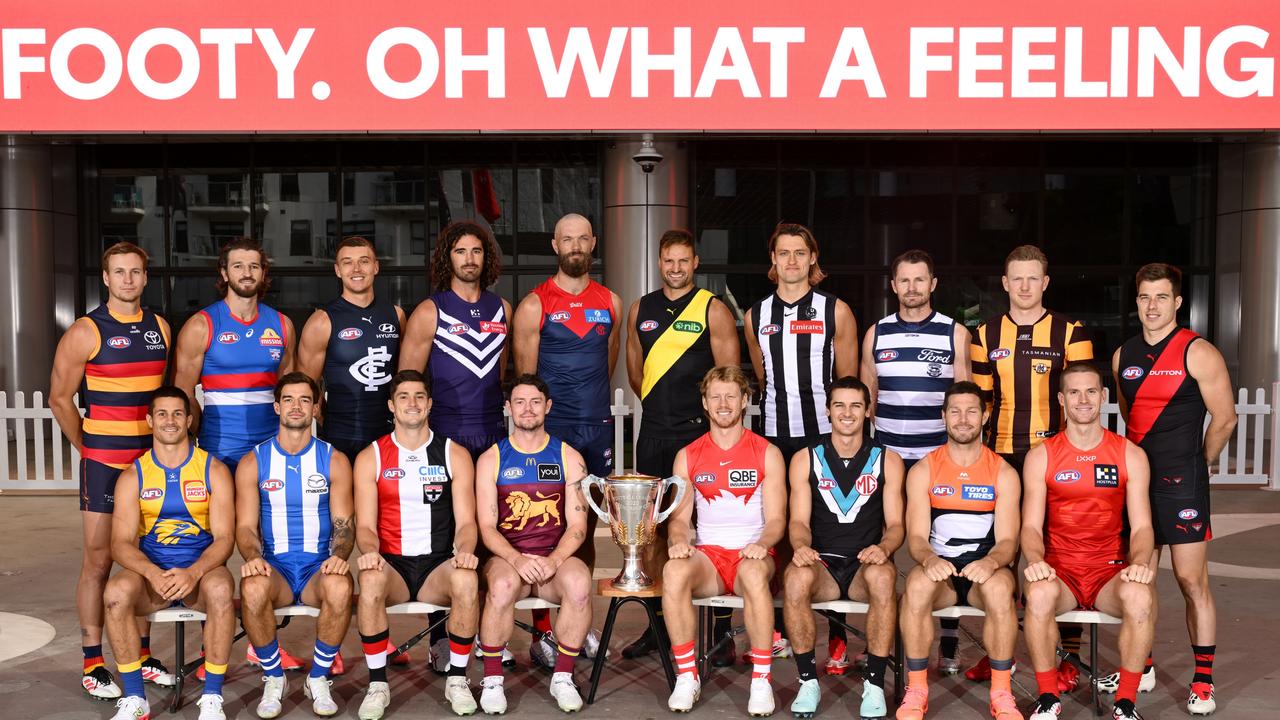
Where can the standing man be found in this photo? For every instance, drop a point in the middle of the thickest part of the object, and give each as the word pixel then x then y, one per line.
pixel 909 359
pixel 1018 360
pixel 351 345
pixel 236 349
pixel 172 531
pixel 295 527
pixel 676 334
pixel 1169 377
pixel 962 529
pixel 740 496
pixel 533 518
pixel 119 353
pixel 1087 539
pixel 416 527
pixel 845 524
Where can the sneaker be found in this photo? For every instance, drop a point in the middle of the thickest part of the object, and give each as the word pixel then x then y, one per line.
pixel 981 671
pixel 806 703
pixel 338 667
pixel 837 657
pixel 1068 676
pixel 1111 683
pixel 873 705
pixel 760 702
pixel 154 671
pixel 402 659
pixel 725 655
pixel 1003 706
pixel 438 657
pixel 915 703
pixel 375 701
pixel 493 699
pixel 458 694
pixel 317 691
pixel 950 665
pixel 287 661
pixel 591 645
pixel 565 692
pixel 210 707
pixel 131 708
pixel 781 648
pixel 1200 701
pixel 1046 707
pixel 100 685
pixel 639 647
pixel 687 691
pixel 1124 710
pixel 273 689
pixel 543 652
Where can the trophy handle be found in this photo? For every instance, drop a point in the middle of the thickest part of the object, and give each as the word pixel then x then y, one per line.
pixel 587 483
pixel 680 484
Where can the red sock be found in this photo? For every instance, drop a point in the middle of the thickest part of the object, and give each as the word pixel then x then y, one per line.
pixel 492 655
pixel 761 662
pixel 1047 682
pixel 686 660
pixel 565 656
pixel 542 620
pixel 1150 663
pixel 1128 689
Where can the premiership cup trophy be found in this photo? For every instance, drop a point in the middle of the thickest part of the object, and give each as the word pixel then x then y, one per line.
pixel 632 514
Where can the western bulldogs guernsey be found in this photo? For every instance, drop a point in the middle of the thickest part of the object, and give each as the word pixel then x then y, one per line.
pixel 294 499
pixel 531 495
pixel 358 363
pixel 415 499
pixel 729 503
pixel 573 353
pixel 466 385
pixel 173 525
pixel 847 512
pixel 239 375
pixel 796 342
pixel 915 364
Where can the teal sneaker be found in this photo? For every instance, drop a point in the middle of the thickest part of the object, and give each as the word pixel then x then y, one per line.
pixel 872 702
pixel 806 704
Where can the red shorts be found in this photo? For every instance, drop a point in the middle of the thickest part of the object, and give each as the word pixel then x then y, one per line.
pixel 1086 581
pixel 726 561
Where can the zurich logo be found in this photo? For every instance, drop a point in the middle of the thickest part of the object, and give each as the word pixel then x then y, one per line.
pixel 1067 476
pixel 886 355
pixel 944 491
pixel 648 325
pixel 999 354
pixel 1133 372
pixel 386 328
pixel 350 334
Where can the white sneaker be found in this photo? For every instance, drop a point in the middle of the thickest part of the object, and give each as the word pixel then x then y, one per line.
pixel 781 646
pixel 1200 701
pixel 1111 683
pixel 210 707
pixel 687 691
pixel 375 701
pixel 565 692
pixel 760 703
pixel 100 685
pixel 591 645
pixel 543 652
pixel 439 656
pixel 493 699
pixel 132 708
pixel 273 689
pixel 1045 709
pixel 317 691
pixel 458 694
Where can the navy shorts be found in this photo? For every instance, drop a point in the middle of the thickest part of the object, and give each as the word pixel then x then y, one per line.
pixel 594 441
pixel 97 486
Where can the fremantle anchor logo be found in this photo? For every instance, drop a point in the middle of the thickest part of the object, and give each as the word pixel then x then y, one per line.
pixel 369 370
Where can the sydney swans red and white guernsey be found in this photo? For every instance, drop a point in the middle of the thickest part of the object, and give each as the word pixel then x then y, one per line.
pixel 729 502
pixel 415 502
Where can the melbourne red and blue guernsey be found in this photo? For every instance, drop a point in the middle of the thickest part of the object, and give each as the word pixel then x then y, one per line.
pixel 241 362
pixel 573 353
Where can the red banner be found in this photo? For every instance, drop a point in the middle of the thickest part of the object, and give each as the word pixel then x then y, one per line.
pixel 586 65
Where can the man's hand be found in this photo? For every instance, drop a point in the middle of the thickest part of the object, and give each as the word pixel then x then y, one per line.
pixel 158 581
pixel 181 583
pixel 679 551
pixel 937 569
pixel 528 568
pixel 754 551
pixel 334 565
pixel 980 570
pixel 873 555
pixel 256 566
pixel 1038 571
pixel 465 561
pixel 805 556
pixel 371 561
pixel 1138 573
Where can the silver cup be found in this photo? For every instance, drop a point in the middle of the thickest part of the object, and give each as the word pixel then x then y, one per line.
pixel 632 514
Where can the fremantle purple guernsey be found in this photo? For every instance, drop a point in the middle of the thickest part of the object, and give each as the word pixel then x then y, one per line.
pixel 464 365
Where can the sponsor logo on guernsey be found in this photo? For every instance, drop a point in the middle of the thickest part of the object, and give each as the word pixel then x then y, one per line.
pixel 549 472
pixel 370 370
pixel 998 354
pixel 271 485
pixel 826 484
pixel 559 316
pixel 703 478
pixel 1133 372
pixel 151 494
pixel 866 484
pixel 195 491
pixel 943 490
pixel 1106 476
pixel 387 328
pixel 394 473
pixel 458 329
pixel 512 473
pixel 1040 368
pixel 1086 458
pixel 152 338
pixel 350 334
pixel 228 338
pixel 1066 476
pixel 771 329
pixel 688 326
pixel 886 355
pixel 934 356
pixel 1188 514
pixel 270 338
pixel 978 492
pixel 648 325
pixel 119 342
pixel 1165 373
pixel 317 481
pixel 489 326
pixel 742 478
pixel 806 327
pixel 431 471
pixel 596 315
pixel 431 493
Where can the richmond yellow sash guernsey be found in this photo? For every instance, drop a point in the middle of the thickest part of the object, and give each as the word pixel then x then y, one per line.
pixel 676 342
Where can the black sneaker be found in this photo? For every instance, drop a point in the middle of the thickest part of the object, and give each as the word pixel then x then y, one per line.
pixel 723 656
pixel 640 647
pixel 1124 710
pixel 1047 707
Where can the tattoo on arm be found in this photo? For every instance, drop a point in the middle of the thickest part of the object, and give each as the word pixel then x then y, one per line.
pixel 343 537
pixel 579 535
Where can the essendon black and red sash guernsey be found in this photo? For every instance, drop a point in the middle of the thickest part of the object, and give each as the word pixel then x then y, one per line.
pixel 1166 412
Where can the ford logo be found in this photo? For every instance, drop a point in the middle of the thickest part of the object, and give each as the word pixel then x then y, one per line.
pixel 1067 476
pixel 886 355
pixel 350 334
pixel 999 354
pixel 1133 372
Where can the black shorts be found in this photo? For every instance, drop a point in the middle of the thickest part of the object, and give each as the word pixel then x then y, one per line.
pixel 347 446
pixel 657 456
pixel 842 570
pixel 790 446
pixel 477 443
pixel 594 441
pixel 415 569
pixel 962 585
pixel 1016 460
pixel 97 486
pixel 1180 504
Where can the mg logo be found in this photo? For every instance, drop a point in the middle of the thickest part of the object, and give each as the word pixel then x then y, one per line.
pixel 866 484
pixel 370 370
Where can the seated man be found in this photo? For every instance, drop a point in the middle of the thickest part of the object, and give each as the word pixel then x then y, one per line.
pixel 532 518
pixel 171 532
pixel 1079 488
pixel 962 529
pixel 845 525
pixel 295 529
pixel 416 527
pixel 740 492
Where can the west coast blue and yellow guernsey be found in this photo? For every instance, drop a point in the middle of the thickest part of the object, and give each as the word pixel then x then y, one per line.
pixel 173 527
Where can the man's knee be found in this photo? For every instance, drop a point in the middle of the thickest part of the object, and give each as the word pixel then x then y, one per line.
pixel 216 588
pixel 1192 580
pixel 335 589
pixel 464 587
pixel 1136 600
pixel 577 590
pixel 373 587
pixel 502 588
pixel 997 594
pixel 255 592
pixel 919 593
pixel 797 585
pixel 881 581
pixel 120 594
pixel 677 576
pixel 1042 597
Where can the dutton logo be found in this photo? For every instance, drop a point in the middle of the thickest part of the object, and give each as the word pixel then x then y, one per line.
pixel 1133 372
pixel 886 355
pixel 770 329
pixel 559 316
pixel 1188 514
pixel 394 473
pixel 195 491
pixel 459 329
pixel 944 491
pixel 119 342
pixel 866 484
pixel 999 354
pixel 1067 476
pixel 351 334
pixel 272 485
pixel 512 473
pixel 228 338
pixel 151 494
pixel 702 478
pixel 648 325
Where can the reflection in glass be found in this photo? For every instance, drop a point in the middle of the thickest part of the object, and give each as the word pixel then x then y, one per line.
pixel 208 211
pixel 299 217
pixel 390 208
pixel 479 194
pixel 131 210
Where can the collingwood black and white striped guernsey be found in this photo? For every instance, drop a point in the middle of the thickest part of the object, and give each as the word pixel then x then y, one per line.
pixel 915 364
pixel 796 340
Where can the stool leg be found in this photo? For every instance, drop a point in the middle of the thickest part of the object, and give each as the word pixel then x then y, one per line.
pixel 899 666
pixel 597 664
pixel 701 642
pixel 658 632
pixel 1093 660
pixel 179 632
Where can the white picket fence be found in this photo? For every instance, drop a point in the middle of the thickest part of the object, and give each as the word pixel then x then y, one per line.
pixel 38 457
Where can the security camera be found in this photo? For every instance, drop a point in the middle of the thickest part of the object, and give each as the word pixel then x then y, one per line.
pixel 648 157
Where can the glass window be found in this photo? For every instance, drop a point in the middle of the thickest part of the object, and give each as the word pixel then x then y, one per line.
pixel 390 208
pixel 290 228
pixel 131 209
pixel 213 209
pixel 1084 216
pixel 480 194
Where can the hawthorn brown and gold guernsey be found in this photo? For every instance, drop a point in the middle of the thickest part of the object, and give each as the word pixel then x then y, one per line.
pixel 1018 367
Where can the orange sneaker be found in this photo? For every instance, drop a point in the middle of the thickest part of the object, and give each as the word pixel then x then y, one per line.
pixel 1004 707
pixel 914 704
pixel 337 668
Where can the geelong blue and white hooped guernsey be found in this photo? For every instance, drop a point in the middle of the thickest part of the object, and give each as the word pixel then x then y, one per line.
pixel 796 342
pixel 915 364
pixel 294 495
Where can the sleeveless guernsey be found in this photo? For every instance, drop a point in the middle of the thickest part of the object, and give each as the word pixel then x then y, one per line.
pixel 847 507
pixel 531 495
pixel 728 499
pixel 915 364
pixel 415 498
pixel 358 363
pixel 294 499
pixel 173 526
pixel 464 365
pixel 128 365
pixel 796 340
pixel 962 502
pixel 241 363
pixel 675 339
pixel 573 353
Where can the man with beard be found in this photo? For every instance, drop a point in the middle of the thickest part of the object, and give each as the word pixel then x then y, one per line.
pixel 351 345
pixel 962 529
pixel 119 353
pixel 532 518
pixel 740 494
pixel 172 530
pixel 677 333
pixel 295 527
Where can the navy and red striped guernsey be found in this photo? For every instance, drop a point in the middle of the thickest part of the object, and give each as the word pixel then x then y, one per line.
pixel 415 497
pixel 127 366
pixel 1166 411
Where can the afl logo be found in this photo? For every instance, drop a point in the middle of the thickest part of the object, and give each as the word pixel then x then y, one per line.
pixel 648 325
pixel 886 355
pixel 1133 372
pixel 559 316
pixel 866 484
pixel 386 328
pixel 458 329
pixel 512 473
pixel 350 334
pixel 151 494
pixel 944 491
pixel 705 477
pixel 228 338
pixel 394 473
pixel 999 354
pixel 770 329
pixel 272 485
pixel 1067 476
pixel 1188 514
pixel 119 342
pixel 826 484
